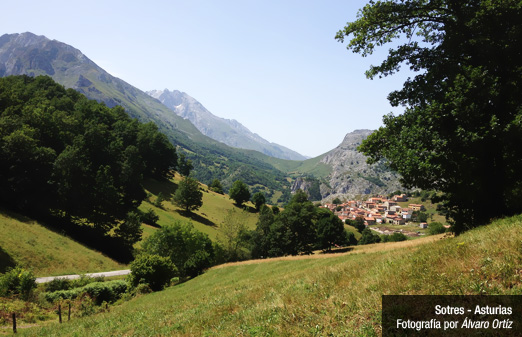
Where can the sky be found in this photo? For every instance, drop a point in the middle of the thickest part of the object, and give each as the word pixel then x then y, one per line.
pixel 274 66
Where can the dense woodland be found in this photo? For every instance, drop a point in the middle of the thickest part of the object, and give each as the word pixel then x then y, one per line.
pixel 70 158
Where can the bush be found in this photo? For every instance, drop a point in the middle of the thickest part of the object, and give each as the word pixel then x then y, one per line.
pixel 154 270
pixel 395 237
pixel 99 291
pixel 58 284
pixel 436 228
pixel 17 281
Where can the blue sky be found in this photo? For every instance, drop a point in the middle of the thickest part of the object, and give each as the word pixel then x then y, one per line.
pixel 272 65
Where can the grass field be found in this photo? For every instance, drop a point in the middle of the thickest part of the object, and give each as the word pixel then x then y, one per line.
pixel 26 242
pixel 207 219
pixel 318 296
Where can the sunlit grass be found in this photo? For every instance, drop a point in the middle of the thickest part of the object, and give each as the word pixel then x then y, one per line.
pixel 47 253
pixel 302 296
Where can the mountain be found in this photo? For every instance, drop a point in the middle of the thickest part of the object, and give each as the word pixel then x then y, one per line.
pixel 341 172
pixel 227 131
pixel 34 55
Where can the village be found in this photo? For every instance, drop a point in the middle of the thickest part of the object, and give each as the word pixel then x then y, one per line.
pixel 384 215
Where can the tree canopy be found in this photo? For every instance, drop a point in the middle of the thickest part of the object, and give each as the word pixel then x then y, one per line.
pixel 239 192
pixel 462 125
pixel 188 196
pixel 298 229
pixel 190 250
pixel 63 154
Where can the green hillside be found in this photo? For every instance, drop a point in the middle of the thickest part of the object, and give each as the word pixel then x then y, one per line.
pixel 28 243
pixel 312 166
pixel 207 219
pixel 340 295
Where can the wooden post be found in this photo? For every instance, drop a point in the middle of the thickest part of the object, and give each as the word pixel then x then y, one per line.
pixel 60 312
pixel 14 322
pixel 69 315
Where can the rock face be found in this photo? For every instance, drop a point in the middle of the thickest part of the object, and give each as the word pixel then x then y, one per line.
pixel 227 131
pixel 350 174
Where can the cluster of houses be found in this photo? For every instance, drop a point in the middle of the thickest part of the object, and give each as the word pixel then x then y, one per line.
pixel 376 210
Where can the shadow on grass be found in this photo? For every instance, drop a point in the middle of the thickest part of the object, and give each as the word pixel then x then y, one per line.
pixel 197 218
pixel 86 235
pixel 165 187
pixel 246 208
pixel 13 215
pixel 6 261
pixel 338 250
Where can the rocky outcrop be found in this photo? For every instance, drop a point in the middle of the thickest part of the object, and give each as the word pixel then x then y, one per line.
pixel 350 175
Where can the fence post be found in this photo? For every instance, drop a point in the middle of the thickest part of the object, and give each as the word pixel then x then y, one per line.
pixel 14 322
pixel 60 312
pixel 69 315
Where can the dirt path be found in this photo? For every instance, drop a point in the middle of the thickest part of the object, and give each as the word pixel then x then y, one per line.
pixel 72 277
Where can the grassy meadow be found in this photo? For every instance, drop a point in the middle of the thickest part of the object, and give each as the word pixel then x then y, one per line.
pixel 207 219
pixel 28 243
pixel 335 295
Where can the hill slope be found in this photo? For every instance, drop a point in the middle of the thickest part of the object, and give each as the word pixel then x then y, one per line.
pixel 342 171
pixel 335 296
pixel 28 243
pixel 33 55
pixel 227 131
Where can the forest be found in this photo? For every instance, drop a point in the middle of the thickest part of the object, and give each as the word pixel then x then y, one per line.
pixel 74 160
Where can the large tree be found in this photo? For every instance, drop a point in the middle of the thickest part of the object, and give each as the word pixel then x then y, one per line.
pixel 461 129
pixel 188 195
pixel 239 192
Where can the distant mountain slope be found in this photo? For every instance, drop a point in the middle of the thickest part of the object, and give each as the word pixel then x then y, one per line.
pixel 342 171
pixel 227 131
pixel 34 55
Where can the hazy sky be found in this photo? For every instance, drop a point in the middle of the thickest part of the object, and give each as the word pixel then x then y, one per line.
pixel 272 65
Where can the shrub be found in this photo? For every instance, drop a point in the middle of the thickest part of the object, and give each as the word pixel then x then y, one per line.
pixel 154 270
pixel 395 237
pixel 99 291
pixel 436 228
pixel 17 281
pixel 58 284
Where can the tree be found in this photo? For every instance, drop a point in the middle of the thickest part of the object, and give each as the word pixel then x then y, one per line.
pixel 233 235
pixel 368 237
pixel 64 156
pixel 184 165
pixel 154 270
pixel 293 231
pixel 358 223
pixel 258 199
pixel 239 192
pixel 330 232
pixel 130 229
pixel 260 243
pixel 181 243
pixel 461 130
pixel 436 228
pixel 188 195
pixel 216 186
pixel 337 201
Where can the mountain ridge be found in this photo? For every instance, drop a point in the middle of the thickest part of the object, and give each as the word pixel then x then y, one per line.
pixel 228 131
pixel 33 55
pixel 341 171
